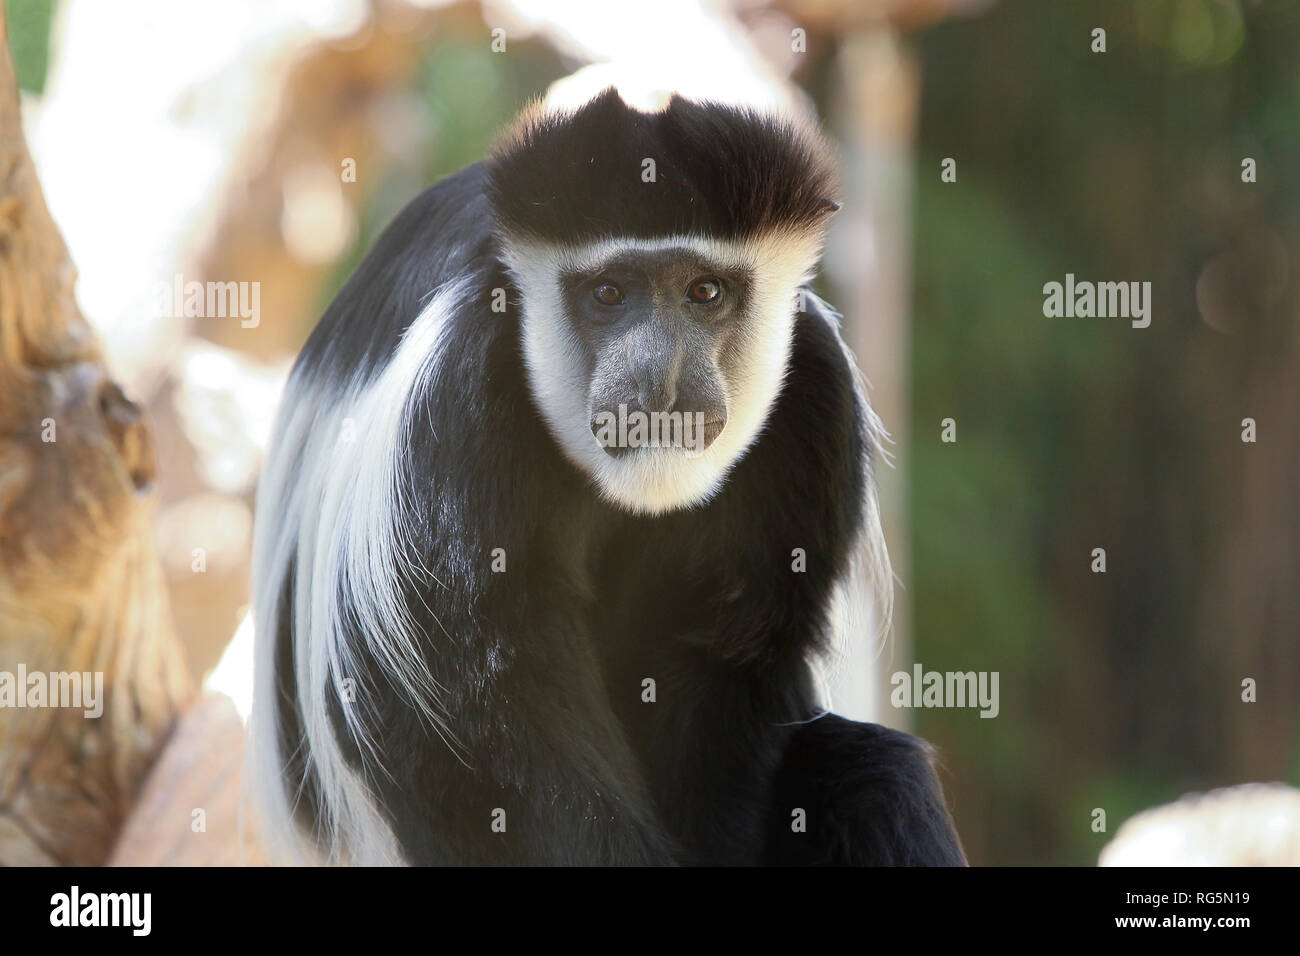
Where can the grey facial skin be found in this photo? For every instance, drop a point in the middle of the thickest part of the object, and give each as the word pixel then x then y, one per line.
pixel 660 332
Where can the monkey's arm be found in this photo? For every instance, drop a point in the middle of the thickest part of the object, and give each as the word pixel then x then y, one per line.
pixel 870 797
pixel 546 778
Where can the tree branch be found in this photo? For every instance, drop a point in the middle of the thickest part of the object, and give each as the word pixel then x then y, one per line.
pixel 80 585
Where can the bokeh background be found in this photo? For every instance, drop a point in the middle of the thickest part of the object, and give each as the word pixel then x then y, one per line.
pixel 207 139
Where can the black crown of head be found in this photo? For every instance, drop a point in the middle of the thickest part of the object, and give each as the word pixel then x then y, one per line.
pixel 719 171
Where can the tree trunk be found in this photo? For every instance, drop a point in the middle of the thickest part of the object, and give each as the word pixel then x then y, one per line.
pixel 80 585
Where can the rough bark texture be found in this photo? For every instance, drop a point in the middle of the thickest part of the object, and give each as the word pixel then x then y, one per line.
pixel 80 584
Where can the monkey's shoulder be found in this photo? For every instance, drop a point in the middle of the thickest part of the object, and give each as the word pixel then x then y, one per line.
pixel 818 434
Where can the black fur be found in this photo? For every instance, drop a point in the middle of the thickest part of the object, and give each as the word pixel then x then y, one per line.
pixel 719 171
pixel 542 665
pixel 870 796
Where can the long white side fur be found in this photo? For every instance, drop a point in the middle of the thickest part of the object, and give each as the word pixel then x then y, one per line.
pixel 331 500
pixel 863 602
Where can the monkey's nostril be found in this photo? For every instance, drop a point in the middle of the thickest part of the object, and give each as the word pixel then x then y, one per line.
pixel 711 432
pixel 607 437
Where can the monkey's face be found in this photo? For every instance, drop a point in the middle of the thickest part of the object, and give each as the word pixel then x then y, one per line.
pixel 656 362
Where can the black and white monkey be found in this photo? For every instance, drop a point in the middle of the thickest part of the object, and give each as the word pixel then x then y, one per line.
pixel 486 636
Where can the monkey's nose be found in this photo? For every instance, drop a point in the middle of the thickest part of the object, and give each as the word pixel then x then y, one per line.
pixel 656 394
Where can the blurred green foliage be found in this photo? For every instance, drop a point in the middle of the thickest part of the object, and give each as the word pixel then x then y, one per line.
pixel 29 39
pixel 469 94
pixel 1119 690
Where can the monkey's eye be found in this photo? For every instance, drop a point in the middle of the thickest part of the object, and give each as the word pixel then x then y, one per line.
pixel 606 293
pixel 704 290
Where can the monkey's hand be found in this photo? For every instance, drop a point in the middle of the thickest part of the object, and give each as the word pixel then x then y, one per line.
pixel 869 796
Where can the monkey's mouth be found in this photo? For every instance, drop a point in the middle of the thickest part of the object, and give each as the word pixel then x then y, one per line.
pixel 693 437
